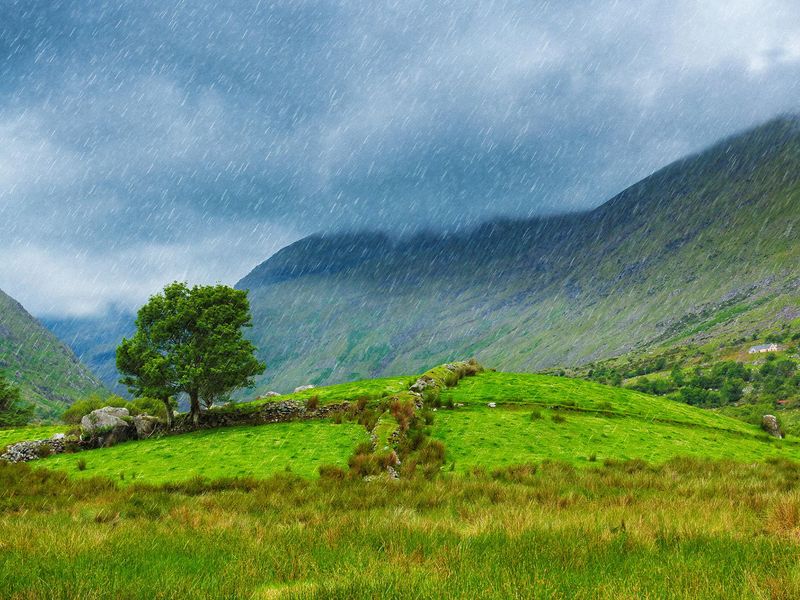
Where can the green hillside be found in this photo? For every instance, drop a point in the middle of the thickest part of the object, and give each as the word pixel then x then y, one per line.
pixel 47 372
pixel 705 247
pixel 536 418
pixel 563 488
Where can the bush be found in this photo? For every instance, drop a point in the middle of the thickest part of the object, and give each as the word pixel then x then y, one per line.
pixel 312 403
pixel 74 413
pixel 332 472
pixel 558 419
pixel 151 406
pixel 81 464
pixel 403 412
pixel 536 415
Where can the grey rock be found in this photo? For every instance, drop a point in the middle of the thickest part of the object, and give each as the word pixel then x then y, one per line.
pixel 492 405
pixel 145 425
pixel 769 423
pixel 104 419
pixel 271 395
pixel 303 388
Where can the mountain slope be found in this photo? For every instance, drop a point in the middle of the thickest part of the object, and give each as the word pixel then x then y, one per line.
pixel 653 265
pixel 47 372
pixel 94 340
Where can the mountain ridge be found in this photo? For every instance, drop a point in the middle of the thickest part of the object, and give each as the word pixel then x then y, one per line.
pixel 710 229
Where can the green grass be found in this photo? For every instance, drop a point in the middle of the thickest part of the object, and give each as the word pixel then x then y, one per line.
pixel 32 432
pixel 687 529
pixel 545 391
pixel 332 394
pixel 599 421
pixel 256 451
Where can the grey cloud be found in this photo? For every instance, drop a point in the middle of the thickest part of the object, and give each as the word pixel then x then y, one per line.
pixel 131 127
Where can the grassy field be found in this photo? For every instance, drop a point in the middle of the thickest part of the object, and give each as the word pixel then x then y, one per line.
pixel 32 432
pixel 554 418
pixel 685 529
pixel 566 489
pixel 537 418
pixel 256 451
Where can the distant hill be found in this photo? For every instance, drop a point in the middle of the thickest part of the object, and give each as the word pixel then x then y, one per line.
pixel 705 247
pixel 47 372
pixel 94 340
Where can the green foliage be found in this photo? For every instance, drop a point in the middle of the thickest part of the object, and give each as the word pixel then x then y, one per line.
pixel 73 415
pixel 190 340
pixel 13 411
pixel 151 406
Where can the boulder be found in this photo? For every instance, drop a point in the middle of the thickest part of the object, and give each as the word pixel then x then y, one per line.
pixel 303 388
pixel 270 395
pixel 492 405
pixel 104 419
pixel 769 423
pixel 145 425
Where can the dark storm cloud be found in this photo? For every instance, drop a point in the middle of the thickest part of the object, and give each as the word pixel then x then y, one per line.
pixel 143 140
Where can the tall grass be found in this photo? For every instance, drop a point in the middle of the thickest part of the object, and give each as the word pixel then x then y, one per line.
pixel 688 528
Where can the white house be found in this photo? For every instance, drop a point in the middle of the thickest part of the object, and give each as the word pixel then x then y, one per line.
pixel 763 348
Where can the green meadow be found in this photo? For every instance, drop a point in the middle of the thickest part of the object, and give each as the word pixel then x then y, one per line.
pixel 256 451
pixel 564 489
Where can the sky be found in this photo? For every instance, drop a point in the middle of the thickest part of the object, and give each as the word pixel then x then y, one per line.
pixel 146 141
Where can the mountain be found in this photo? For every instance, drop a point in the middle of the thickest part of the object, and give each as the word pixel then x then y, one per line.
pixel 704 248
pixel 47 372
pixel 94 340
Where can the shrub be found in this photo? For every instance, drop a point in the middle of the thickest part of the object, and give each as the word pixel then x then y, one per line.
pixel 365 464
pixel 151 406
pixel 332 472
pixel 593 457
pixel 558 419
pixel 312 403
pixel 74 413
pixel 403 412
pixel 536 415
pixel 81 464
pixel 361 403
pixel 369 419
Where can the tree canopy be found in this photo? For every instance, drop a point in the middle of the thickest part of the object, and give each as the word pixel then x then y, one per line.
pixel 190 340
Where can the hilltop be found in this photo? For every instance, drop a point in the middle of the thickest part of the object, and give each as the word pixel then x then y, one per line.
pixel 705 247
pixel 47 372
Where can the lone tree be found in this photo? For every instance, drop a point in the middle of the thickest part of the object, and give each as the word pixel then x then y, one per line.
pixel 13 411
pixel 189 340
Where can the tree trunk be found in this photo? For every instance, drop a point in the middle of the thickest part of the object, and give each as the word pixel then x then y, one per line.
pixel 194 397
pixel 170 418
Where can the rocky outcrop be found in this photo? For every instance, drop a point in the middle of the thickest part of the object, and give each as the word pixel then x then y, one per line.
pixel 770 424
pixel 303 388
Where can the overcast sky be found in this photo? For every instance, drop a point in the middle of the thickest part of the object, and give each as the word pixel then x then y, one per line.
pixel 146 141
